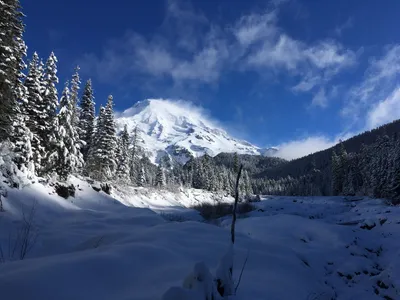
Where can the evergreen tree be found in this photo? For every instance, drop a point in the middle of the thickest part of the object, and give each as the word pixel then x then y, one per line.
pixel 365 171
pixel 109 135
pixel 134 153
pixel 75 86
pixel 235 162
pixel 102 155
pixel 124 156
pixel 248 190
pixel 141 176
pixel 338 170
pixel 42 79
pixel 12 53
pixel 22 139
pixel 87 117
pixel 69 157
pixel 94 164
pixel 50 102
pixel 394 185
pixel 380 166
pixel 35 110
pixel 198 174
pixel 160 177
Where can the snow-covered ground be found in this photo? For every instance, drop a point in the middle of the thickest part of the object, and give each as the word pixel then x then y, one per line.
pixel 95 246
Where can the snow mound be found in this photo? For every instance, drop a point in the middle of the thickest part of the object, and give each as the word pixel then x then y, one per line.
pixel 98 246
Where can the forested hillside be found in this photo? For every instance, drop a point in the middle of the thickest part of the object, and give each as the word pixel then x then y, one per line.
pixel 322 159
pixel 366 164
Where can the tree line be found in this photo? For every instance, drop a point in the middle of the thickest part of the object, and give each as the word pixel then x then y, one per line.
pixel 54 135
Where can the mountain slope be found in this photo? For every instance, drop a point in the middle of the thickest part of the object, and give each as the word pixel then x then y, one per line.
pixel 179 130
pixel 322 159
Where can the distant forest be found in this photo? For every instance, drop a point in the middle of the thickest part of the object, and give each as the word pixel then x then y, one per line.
pixel 367 164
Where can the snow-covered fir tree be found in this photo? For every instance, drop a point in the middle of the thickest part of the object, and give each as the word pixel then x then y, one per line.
pixel 50 94
pixel 22 139
pixel 42 77
pixel 394 181
pixel 141 175
pixel 87 117
pixel 160 177
pixel 109 135
pixel 95 154
pixel 12 54
pixel 68 156
pixel 338 165
pixel 102 163
pixel 124 156
pixel 36 111
pixel 75 86
pixel 134 156
pixel 50 101
pixel 247 188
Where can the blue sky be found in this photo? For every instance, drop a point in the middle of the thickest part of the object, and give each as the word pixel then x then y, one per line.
pixel 294 74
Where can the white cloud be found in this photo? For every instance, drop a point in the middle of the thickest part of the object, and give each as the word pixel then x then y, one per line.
pixel 320 99
pixel 385 111
pixel 284 53
pixel 255 27
pixel 189 49
pixel 281 50
pixel 314 64
pixel 307 84
pixel 342 27
pixel 302 147
pixel 310 144
pixel 380 80
pixel 329 54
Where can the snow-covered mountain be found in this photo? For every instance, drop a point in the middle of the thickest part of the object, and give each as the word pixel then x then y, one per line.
pixel 179 130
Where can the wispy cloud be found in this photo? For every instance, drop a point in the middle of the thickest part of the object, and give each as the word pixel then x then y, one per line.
pixel 320 99
pixel 349 23
pixel 188 49
pixel 255 27
pixel 269 47
pixel 384 111
pixel 380 82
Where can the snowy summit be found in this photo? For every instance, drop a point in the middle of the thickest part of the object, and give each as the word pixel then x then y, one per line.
pixel 179 130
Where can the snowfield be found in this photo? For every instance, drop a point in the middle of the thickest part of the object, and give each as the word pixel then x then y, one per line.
pixel 123 246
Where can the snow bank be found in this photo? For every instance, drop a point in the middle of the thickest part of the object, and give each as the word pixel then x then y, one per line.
pixel 97 246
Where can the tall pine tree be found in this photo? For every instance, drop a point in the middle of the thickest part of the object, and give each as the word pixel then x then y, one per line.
pixel 134 153
pixel 36 111
pixel 87 117
pixel 69 157
pixel 12 53
pixel 75 86
pixel 124 157
pixel 160 177
pixel 102 159
pixel 50 101
pixel 109 136
pixel 141 181
pixel 95 154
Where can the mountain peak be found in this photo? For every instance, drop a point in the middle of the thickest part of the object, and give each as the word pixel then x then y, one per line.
pixel 179 130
